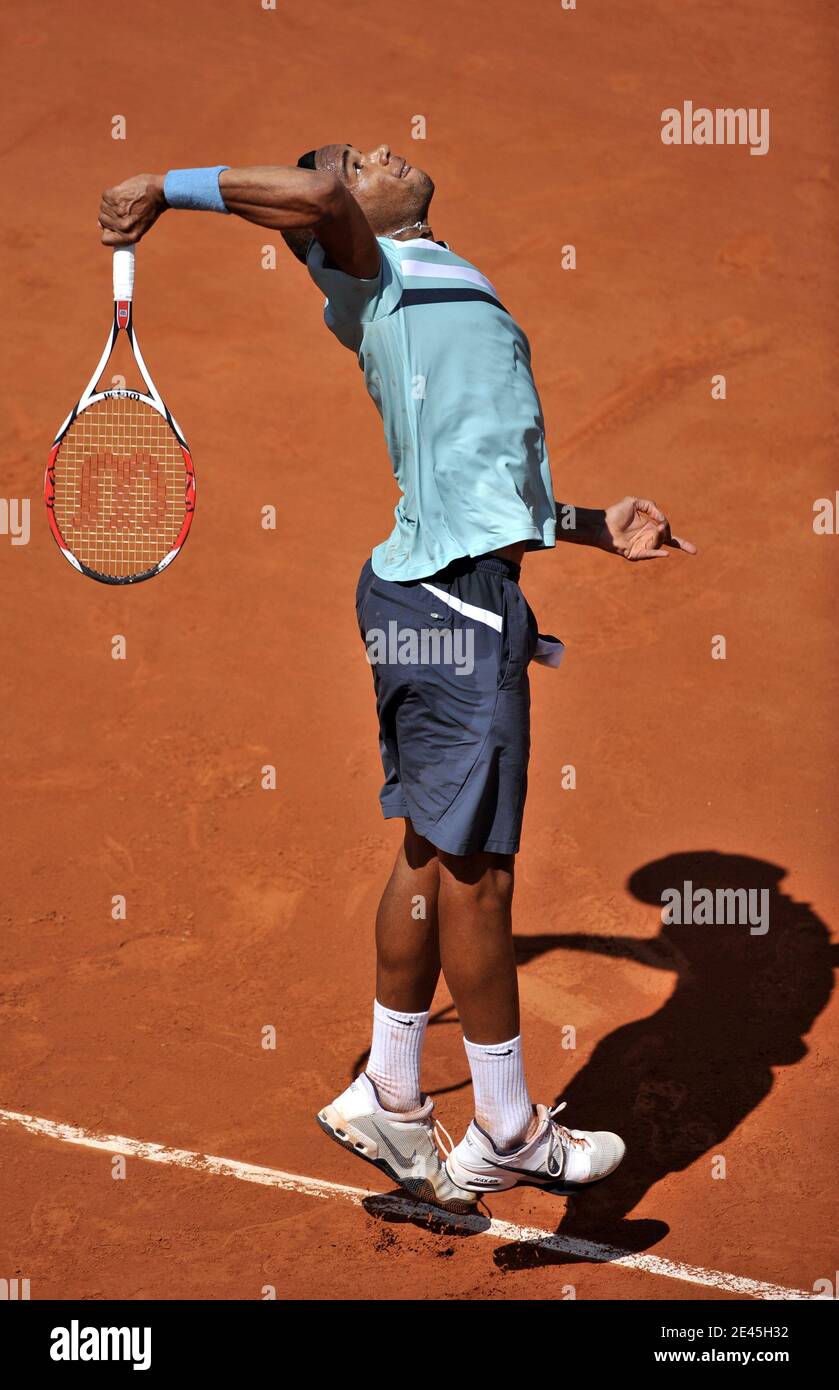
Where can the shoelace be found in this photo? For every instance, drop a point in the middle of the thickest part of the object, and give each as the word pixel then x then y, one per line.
pixel 440 1132
pixel 560 1135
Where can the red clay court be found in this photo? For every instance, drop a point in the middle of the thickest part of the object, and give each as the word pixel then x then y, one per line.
pixel 249 909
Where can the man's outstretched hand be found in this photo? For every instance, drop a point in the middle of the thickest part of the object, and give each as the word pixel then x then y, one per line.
pixel 127 211
pixel 638 530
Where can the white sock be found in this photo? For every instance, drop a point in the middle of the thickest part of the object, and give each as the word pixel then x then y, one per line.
pixel 503 1107
pixel 394 1062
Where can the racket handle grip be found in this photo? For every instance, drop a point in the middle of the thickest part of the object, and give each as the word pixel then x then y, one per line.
pixel 124 272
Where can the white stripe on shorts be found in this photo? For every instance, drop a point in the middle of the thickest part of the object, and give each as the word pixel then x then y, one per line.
pixel 469 610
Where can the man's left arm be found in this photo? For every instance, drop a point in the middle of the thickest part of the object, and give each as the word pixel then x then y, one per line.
pixel 634 528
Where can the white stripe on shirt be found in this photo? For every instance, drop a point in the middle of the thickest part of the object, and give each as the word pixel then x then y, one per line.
pixel 448 272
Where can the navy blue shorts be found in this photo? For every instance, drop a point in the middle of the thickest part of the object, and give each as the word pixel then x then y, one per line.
pixel 449 656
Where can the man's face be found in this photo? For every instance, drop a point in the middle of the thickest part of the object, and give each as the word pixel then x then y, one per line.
pixel 391 192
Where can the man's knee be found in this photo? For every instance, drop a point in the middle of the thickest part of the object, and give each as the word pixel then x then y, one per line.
pixel 486 878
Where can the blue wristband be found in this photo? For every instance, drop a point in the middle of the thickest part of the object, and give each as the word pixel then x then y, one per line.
pixel 196 189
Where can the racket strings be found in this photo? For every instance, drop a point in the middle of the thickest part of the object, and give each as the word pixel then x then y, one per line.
pixel 120 487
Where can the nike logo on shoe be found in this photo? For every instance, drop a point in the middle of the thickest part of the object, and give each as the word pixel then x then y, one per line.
pixel 404 1159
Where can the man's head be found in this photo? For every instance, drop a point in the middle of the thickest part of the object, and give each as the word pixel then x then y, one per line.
pixel 391 193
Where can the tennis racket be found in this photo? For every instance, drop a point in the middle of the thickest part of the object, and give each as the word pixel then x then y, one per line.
pixel 120 485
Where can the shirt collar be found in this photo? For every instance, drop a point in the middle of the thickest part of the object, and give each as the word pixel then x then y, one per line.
pixel 418 241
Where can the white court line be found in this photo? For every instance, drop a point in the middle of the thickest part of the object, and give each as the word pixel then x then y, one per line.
pixel 317 1187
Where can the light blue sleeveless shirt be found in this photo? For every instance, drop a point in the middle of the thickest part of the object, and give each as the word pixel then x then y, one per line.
pixel 449 371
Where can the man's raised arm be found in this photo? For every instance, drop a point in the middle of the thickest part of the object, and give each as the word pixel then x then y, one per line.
pixel 284 198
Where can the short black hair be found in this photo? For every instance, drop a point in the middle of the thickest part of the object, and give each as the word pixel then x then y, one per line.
pixel 307 160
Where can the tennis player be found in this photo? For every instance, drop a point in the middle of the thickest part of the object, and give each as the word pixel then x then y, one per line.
pixel 449 370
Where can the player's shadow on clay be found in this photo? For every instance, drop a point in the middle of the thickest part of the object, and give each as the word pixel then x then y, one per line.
pixel 677 1083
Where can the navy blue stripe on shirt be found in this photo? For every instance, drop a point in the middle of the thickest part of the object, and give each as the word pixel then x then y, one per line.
pixel 440 296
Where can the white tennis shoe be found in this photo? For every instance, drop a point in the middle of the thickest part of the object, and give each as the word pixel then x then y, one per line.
pixel 556 1158
pixel 403 1146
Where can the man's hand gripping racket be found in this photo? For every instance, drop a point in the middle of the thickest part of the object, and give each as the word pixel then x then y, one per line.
pixel 120 485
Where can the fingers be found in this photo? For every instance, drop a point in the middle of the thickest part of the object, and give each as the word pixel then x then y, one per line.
pixel 643 504
pixel 651 554
pixel 124 214
pixel 113 233
pixel 655 550
pixel 661 534
pixel 675 542
pixel 128 229
pixel 679 544
pixel 665 535
pixel 113 237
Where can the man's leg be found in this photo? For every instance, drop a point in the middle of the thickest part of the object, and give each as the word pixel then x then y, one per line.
pixel 407 945
pixel 476 943
pixel 407 970
pixel 479 965
pixel 382 1116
